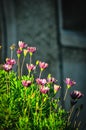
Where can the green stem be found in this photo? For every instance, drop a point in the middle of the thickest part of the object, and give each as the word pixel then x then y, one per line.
pixel 30 59
pixel 79 124
pixel 71 111
pixel 40 117
pixel 29 73
pixel 65 94
pixel 24 99
pixel 22 65
pixel 7 82
pixel 11 54
pixel 7 87
pixel 19 72
pixel 40 73
pixel 77 118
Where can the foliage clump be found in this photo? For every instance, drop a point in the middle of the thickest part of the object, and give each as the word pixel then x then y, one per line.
pixel 30 102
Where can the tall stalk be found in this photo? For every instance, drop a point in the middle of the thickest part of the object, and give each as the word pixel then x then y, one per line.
pixel 40 73
pixel 19 68
pixel 30 58
pixel 22 65
pixel 7 82
pixel 71 111
pixel 12 47
pixel 65 94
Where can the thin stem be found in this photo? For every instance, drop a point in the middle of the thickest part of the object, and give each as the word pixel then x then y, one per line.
pixel 24 98
pixel 19 72
pixel 7 82
pixel 22 65
pixel 11 54
pixel 76 118
pixel 40 73
pixel 29 73
pixel 25 94
pixel 30 59
pixel 29 106
pixel 40 117
pixel 71 111
pixel 79 124
pixel 7 86
pixel 66 93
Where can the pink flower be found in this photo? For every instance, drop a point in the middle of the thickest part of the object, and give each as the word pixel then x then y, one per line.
pixel 19 51
pixel 22 44
pixel 30 67
pixel 51 80
pixel 76 94
pixel 56 88
pixel 43 65
pixel 31 49
pixel 26 83
pixel 10 61
pixel 7 67
pixel 41 81
pixel 44 89
pixel 69 82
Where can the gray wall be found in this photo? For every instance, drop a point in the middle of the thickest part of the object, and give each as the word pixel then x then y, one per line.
pixel 36 26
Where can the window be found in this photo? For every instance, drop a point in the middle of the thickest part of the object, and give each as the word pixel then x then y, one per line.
pixel 73 23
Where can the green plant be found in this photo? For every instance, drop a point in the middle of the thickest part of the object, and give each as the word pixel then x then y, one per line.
pixel 29 102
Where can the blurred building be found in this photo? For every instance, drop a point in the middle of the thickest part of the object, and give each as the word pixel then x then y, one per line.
pixel 57 28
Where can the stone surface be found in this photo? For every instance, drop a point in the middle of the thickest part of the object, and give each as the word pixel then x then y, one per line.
pixel 36 26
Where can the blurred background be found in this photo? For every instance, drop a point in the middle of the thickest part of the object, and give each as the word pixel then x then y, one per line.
pixel 57 28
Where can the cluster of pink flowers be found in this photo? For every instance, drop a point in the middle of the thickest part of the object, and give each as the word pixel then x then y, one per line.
pixel 7 67
pixel 10 61
pixel 42 83
pixel 44 89
pixel 23 45
pixel 9 64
